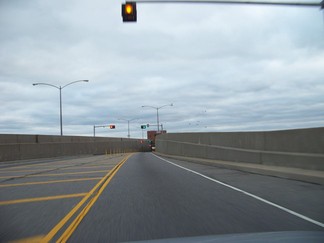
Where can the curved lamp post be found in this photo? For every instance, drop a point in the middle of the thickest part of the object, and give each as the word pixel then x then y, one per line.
pixel 60 89
pixel 128 121
pixel 157 112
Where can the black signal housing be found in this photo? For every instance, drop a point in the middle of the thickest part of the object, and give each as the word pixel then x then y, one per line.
pixel 129 12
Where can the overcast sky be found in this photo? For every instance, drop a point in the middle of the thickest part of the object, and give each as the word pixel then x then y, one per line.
pixel 224 67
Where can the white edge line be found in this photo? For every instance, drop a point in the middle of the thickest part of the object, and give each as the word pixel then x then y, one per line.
pixel 248 194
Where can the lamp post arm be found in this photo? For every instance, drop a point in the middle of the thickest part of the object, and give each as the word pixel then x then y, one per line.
pixel 150 106
pixel 164 106
pixel 47 85
pixel 75 82
pixel 121 119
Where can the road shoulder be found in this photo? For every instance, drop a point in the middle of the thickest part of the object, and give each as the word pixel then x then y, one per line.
pixel 311 176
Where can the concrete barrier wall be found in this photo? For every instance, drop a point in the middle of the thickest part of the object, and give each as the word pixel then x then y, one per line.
pixel 18 147
pixel 299 148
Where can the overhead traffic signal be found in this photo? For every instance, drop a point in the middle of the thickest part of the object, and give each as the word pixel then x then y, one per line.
pixel 129 13
pixel 143 126
pixel 112 126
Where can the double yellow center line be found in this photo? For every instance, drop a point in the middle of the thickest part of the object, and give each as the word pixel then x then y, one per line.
pixel 82 207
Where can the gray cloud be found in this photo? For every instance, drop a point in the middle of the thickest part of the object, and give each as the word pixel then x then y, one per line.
pixel 225 68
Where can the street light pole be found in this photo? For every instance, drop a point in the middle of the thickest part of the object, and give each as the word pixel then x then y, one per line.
pixel 61 119
pixel 128 121
pixel 157 112
pixel 60 89
pixel 157 118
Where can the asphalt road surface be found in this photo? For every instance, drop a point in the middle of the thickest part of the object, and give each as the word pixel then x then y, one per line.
pixel 144 197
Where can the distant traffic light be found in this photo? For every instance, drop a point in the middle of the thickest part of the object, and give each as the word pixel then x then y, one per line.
pixel 112 126
pixel 143 126
pixel 129 13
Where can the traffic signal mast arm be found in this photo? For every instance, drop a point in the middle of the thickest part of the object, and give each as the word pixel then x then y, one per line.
pixel 129 12
pixel 110 126
pixel 101 126
pixel 305 4
pixel 283 3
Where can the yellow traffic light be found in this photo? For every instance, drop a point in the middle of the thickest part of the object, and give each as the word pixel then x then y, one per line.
pixel 129 13
pixel 129 8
